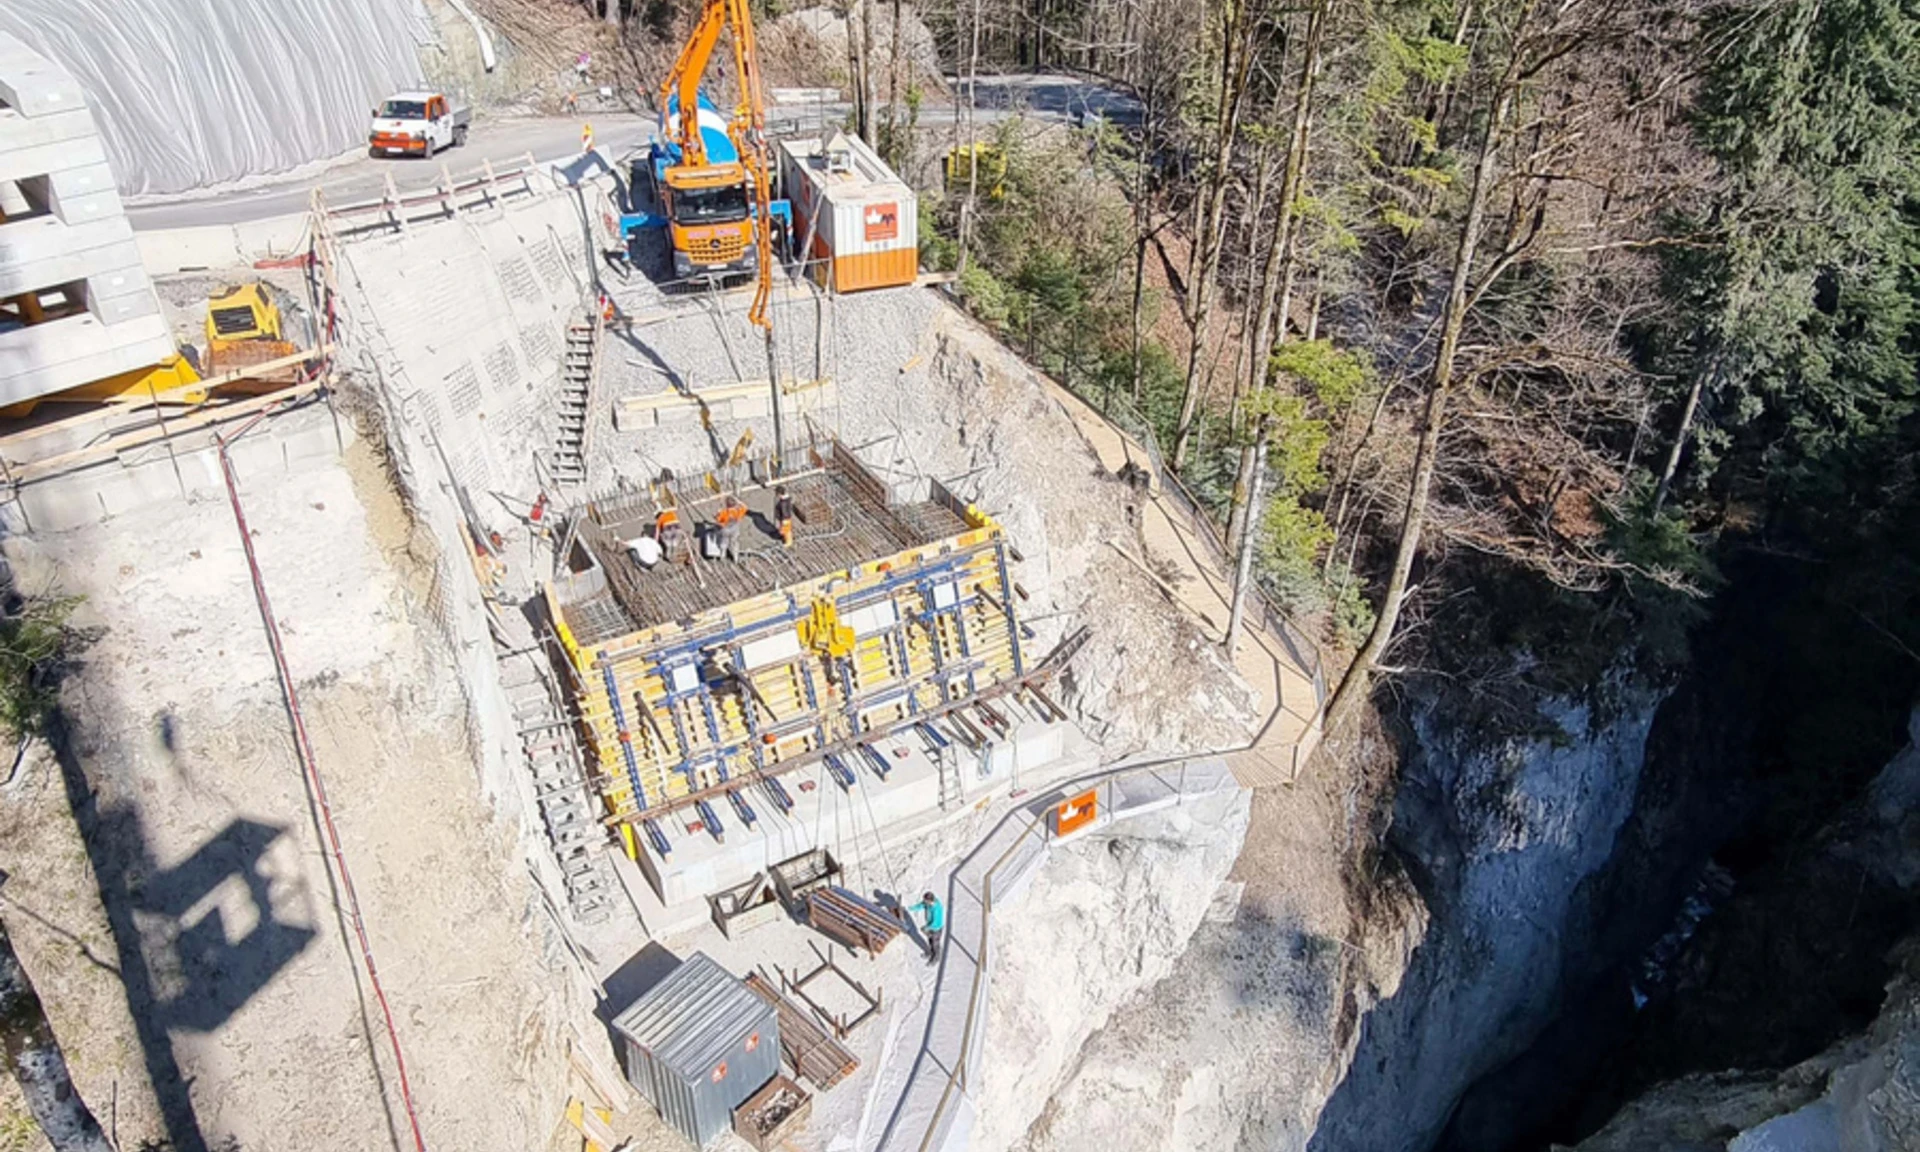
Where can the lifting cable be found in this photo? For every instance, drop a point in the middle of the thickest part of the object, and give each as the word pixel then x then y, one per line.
pixel 307 762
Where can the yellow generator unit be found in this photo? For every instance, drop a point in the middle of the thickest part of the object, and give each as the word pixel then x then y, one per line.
pixel 243 329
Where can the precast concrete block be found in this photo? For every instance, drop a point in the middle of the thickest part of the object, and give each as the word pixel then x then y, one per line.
pixel 83 209
pixel 60 503
pixel 138 486
pixel 755 406
pixel 86 180
pixel 19 132
pixel 44 237
pixel 626 419
pixel 114 282
pixel 34 258
pixel 200 474
pixel 259 458
pixel 24 161
pixel 76 350
pixel 677 413
pixel 170 250
pixel 120 309
pixel 313 442
pixel 41 89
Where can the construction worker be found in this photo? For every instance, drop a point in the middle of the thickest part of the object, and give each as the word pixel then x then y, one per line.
pixel 783 514
pixel 933 922
pixel 646 551
pixel 730 519
pixel 668 530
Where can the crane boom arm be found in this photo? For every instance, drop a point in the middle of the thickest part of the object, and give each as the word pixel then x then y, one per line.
pixel 680 91
pixel 749 132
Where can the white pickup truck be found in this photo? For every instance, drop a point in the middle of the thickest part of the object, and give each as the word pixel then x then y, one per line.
pixel 417 124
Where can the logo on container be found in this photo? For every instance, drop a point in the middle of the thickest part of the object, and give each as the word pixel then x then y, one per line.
pixel 882 222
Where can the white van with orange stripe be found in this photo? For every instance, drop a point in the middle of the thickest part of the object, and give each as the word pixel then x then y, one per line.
pixel 417 124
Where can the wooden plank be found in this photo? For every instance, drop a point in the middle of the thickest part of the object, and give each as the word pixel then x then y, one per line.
pixel 592 1123
pixel 808 1049
pixel 612 1088
pixel 54 465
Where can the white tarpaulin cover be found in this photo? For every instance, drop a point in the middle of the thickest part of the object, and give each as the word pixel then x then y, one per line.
pixel 194 92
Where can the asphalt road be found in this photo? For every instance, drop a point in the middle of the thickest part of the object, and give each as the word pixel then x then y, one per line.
pixel 503 142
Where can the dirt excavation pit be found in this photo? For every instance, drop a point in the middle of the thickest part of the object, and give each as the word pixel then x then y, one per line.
pixel 183 932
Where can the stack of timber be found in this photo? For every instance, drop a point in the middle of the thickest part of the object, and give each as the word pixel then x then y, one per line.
pixel 838 913
pixel 806 1046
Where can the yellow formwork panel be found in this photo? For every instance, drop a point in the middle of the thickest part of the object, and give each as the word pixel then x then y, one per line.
pixel 801 721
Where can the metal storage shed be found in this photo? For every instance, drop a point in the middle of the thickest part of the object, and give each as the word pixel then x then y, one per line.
pixel 698 1045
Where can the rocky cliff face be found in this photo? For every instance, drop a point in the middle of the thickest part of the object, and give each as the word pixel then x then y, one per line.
pixel 1507 843
pixel 1255 1023
pixel 1861 1094
pixel 1105 917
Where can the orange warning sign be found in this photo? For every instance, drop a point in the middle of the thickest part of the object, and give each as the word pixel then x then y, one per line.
pixel 882 221
pixel 1075 813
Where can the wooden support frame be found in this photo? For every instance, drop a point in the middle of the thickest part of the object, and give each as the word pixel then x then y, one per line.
pixel 842 1026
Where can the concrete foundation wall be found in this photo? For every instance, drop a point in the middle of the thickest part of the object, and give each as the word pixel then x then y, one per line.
pixel 221 245
pixel 145 480
pixel 454 329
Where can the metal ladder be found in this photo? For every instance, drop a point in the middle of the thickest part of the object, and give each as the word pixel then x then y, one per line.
pixel 568 808
pixel 947 764
pixel 575 403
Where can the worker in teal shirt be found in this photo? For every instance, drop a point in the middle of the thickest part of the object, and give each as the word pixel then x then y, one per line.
pixel 933 921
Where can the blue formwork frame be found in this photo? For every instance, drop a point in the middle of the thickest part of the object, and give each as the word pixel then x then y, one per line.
pixel 741 806
pixel 625 736
pixel 655 836
pixel 946 567
pixel 747 701
pixel 1006 606
pixel 899 635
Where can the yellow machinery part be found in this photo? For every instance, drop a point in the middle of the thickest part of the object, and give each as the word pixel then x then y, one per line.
pixel 246 313
pixel 986 164
pixel 173 380
pixel 823 632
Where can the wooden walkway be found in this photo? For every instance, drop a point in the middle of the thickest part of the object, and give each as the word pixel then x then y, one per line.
pixel 1279 667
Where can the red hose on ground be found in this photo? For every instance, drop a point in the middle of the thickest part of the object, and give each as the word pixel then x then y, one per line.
pixel 313 778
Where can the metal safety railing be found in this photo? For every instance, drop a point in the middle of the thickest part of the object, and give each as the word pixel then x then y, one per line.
pixel 935 1109
pixel 395 208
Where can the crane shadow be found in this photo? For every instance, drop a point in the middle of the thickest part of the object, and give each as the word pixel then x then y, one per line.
pixel 194 941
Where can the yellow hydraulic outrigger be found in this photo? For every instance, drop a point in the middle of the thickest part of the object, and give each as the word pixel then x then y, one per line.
pixel 747 129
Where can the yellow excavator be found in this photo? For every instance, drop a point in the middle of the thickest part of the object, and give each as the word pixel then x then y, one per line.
pixel 243 330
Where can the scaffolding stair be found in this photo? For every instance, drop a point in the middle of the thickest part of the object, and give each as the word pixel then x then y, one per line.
pixel 568 809
pixel 577 372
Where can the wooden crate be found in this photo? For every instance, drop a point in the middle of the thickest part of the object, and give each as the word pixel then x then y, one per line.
pixel 796 876
pixel 772 1114
pixel 745 906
